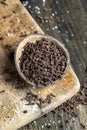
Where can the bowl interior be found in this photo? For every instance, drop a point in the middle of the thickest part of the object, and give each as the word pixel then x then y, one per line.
pixel 32 38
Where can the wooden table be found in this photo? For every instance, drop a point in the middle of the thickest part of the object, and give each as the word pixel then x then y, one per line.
pixel 66 20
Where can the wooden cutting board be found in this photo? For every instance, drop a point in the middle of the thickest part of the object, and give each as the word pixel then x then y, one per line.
pixel 15 111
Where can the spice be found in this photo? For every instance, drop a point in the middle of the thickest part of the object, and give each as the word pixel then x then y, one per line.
pixel 11 55
pixel 4 3
pixel 43 62
pixel 1 38
pixel 23 35
pixel 2 91
pixel 71 104
pixel 80 98
pixel 35 31
pixel 49 126
pixel 25 111
pixel 32 99
pixel 39 18
pixel 61 126
pixel 48 98
pixel 35 99
pixel 86 70
pixel 7 46
pixel 83 126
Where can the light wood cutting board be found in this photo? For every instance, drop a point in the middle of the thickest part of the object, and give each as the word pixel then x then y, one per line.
pixel 15 24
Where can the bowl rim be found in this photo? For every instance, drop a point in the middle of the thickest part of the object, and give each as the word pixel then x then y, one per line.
pixel 52 39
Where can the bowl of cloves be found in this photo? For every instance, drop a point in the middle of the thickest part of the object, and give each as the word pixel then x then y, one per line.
pixel 41 60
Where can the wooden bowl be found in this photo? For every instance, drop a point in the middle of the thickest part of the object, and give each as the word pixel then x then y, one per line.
pixel 32 38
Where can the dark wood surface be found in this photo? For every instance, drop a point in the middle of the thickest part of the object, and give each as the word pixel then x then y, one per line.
pixel 66 20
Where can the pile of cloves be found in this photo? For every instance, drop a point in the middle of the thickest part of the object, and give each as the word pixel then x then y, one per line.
pixel 43 62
